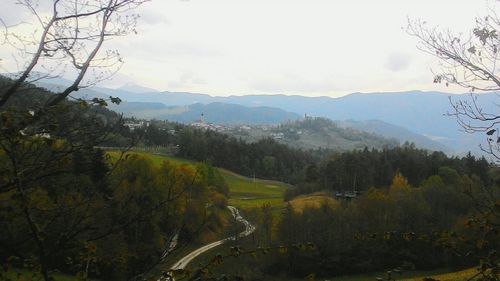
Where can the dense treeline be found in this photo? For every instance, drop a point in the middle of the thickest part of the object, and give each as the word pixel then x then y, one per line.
pixel 417 210
pixel 264 159
pixel 422 226
pixel 362 169
pixel 311 170
pixel 401 226
pixel 350 238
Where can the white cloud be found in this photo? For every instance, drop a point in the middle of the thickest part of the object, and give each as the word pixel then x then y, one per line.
pixel 320 47
pixel 186 79
pixel 397 62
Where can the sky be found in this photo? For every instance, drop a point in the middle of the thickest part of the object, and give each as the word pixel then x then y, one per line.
pixel 305 47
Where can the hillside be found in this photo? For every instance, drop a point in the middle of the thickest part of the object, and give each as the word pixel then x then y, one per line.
pixel 216 112
pixel 421 113
pixel 245 193
pixel 314 133
pixel 314 200
pixel 401 134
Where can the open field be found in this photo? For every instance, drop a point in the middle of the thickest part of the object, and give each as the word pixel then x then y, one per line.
pixel 248 193
pixel 156 158
pixel 315 200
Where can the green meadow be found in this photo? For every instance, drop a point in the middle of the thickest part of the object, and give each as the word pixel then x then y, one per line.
pixel 249 193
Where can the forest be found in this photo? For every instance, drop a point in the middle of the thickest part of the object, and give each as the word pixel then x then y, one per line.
pixel 426 226
pixel 69 206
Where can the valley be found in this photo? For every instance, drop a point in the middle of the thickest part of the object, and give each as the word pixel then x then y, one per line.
pixel 312 180
pixel 249 194
pixel 392 115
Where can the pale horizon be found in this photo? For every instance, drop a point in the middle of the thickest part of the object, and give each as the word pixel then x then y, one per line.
pixel 325 48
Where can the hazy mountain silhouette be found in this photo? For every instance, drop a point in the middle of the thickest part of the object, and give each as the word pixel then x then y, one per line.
pixel 395 132
pixel 216 112
pixel 422 113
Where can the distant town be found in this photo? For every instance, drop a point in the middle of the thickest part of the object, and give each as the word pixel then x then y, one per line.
pixel 134 124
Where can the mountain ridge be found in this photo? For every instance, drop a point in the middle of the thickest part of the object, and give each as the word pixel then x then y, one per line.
pixel 215 112
pixel 421 112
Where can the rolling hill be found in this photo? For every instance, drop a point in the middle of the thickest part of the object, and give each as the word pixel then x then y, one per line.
pixel 216 112
pixel 314 133
pixel 394 132
pixel 421 113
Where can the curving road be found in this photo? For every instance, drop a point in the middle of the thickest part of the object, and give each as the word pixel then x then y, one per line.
pixel 249 228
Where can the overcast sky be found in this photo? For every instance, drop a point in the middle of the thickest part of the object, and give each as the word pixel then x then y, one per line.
pixel 306 47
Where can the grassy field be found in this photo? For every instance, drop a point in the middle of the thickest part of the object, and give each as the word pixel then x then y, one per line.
pixel 156 158
pixel 315 200
pixel 247 193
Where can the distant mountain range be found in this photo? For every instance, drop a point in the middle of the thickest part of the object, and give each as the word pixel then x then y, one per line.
pixel 134 88
pixel 215 112
pixel 421 114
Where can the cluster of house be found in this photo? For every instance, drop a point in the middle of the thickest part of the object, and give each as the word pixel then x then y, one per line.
pixel 222 128
pixel 133 125
pixel 209 126
pixel 347 195
pixel 277 136
pixel 201 124
pixel 281 135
